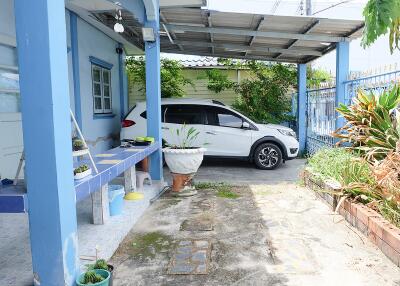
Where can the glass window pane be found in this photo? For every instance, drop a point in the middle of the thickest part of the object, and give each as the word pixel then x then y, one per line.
pixel 227 118
pixel 184 114
pixel 96 74
pixel 97 103
pixel 106 76
pixel 107 103
pixel 97 89
pixel 106 91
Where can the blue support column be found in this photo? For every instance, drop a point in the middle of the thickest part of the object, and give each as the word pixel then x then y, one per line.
pixel 153 95
pixel 43 68
pixel 302 106
pixel 342 71
pixel 75 67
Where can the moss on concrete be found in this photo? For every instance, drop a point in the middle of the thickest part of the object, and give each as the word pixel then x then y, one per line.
pixel 148 245
pixel 223 190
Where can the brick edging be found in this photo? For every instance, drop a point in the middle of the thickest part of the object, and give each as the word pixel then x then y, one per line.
pixel 381 232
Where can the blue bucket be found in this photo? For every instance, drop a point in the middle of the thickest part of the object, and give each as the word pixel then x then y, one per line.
pixel 116 199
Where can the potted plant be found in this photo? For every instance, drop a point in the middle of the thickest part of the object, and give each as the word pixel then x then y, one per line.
pixel 102 264
pixel 78 144
pixel 95 277
pixel 183 160
pixel 82 171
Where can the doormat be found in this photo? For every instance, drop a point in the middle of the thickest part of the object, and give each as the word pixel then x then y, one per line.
pixel 190 257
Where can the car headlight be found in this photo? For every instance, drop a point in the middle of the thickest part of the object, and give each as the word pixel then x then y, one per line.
pixel 287 132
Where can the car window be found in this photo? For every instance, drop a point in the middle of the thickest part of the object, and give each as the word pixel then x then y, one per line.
pixel 144 113
pixel 184 114
pixel 223 117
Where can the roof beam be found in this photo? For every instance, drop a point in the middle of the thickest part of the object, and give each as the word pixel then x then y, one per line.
pixel 226 55
pixel 173 35
pixel 246 48
pixel 256 29
pixel 306 31
pixel 209 24
pixel 245 32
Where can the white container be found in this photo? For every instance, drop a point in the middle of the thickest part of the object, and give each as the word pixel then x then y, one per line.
pixel 183 161
pixel 82 175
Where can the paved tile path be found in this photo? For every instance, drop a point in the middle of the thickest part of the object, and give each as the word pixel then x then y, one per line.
pixel 190 257
pixel 277 234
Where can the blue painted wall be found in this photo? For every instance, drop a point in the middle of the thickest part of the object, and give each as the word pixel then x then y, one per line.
pixel 91 42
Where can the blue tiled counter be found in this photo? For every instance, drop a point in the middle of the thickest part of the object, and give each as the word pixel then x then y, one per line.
pixel 13 199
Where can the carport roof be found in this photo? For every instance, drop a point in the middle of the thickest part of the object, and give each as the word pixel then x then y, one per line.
pixel 197 31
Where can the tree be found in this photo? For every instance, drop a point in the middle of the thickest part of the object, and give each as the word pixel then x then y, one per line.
pixel 380 17
pixel 316 76
pixel 264 96
pixel 172 79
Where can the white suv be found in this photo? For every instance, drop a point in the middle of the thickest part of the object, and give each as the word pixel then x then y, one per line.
pixel 224 131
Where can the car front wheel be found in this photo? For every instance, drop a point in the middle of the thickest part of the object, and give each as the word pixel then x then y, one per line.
pixel 267 156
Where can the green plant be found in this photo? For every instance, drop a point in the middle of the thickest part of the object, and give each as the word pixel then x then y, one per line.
pixel 264 96
pixel 376 185
pixel 90 277
pixel 172 79
pixel 78 144
pixel 81 169
pixel 370 129
pixel 345 167
pixel 317 76
pixel 185 137
pixel 100 264
pixel 380 17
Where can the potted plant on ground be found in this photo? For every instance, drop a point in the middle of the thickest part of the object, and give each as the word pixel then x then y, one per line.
pixel 183 160
pixel 82 171
pixel 102 264
pixel 95 277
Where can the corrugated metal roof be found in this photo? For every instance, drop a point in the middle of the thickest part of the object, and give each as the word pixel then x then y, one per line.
pixel 202 32
pixel 203 62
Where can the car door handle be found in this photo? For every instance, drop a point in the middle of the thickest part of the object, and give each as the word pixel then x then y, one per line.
pixel 165 128
pixel 211 133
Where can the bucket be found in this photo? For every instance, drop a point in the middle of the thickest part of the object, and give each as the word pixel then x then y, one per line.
pixel 104 273
pixel 116 199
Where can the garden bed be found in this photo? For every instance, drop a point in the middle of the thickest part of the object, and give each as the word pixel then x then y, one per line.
pixel 382 233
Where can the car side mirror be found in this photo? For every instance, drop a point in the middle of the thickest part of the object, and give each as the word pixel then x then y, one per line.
pixel 245 125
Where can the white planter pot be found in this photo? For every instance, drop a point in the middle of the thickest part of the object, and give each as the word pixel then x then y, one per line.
pixel 82 175
pixel 183 161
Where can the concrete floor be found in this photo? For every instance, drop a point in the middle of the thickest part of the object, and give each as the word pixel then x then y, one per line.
pixel 275 233
pixel 15 254
pixel 244 173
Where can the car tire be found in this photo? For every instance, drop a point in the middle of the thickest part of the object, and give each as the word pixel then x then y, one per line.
pixel 267 156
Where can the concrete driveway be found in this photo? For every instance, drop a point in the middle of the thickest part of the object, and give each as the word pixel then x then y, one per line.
pixel 273 233
pixel 242 172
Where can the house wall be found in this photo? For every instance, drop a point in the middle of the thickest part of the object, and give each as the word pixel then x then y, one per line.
pixel 101 133
pixel 199 90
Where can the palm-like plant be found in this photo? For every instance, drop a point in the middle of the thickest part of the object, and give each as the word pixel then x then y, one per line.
pixel 370 128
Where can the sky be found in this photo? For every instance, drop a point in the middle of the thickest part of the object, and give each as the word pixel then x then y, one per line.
pixel 375 57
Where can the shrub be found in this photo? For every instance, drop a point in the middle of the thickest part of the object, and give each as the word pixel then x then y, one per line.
pixel 341 165
pixel 370 128
pixel 264 96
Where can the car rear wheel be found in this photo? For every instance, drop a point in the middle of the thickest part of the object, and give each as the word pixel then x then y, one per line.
pixel 267 156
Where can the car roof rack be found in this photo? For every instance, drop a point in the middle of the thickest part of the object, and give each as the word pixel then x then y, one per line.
pixel 217 102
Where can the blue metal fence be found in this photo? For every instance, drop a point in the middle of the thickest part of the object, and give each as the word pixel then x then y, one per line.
pixel 321 114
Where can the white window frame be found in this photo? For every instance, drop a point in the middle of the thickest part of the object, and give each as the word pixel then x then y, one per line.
pixel 102 84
